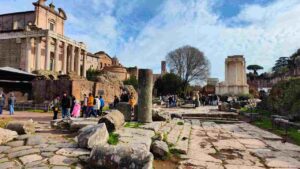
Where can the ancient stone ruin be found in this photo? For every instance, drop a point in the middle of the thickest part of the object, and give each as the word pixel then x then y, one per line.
pixel 235 77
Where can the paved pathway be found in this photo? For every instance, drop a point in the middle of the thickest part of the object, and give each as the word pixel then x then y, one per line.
pixel 237 146
pixel 24 115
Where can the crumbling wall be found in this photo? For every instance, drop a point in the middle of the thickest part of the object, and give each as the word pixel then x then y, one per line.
pixel 43 90
pixel 81 87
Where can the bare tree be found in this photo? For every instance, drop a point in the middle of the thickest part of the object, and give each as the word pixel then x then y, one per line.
pixel 189 63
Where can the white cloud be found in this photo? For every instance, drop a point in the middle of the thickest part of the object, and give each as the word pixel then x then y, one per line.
pixel 272 31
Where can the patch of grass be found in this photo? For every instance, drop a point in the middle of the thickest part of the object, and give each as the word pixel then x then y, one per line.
pixel 36 111
pixel 180 123
pixel 175 152
pixel 113 139
pixel 165 137
pixel 5 121
pixel 105 108
pixel 292 133
pixel 133 124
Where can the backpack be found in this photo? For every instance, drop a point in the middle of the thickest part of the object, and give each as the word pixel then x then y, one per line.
pixel 95 101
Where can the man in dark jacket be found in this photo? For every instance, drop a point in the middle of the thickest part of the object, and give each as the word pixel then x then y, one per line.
pixel 66 103
pixel 2 102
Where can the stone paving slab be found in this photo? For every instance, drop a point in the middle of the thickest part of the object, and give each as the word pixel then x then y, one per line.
pixel 154 126
pixel 238 146
pixel 183 141
pixel 174 134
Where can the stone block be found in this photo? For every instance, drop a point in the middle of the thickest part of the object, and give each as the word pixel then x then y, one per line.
pixel 113 120
pixel 7 135
pixel 92 136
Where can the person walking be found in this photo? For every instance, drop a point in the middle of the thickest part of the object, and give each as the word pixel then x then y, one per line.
pixel 91 102
pixel 73 103
pixel 11 103
pixel 76 109
pixel 116 101
pixel 2 102
pixel 96 107
pixel 85 105
pixel 102 104
pixel 132 101
pixel 66 103
pixel 55 106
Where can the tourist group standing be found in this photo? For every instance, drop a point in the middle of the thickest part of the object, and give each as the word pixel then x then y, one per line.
pixel 70 107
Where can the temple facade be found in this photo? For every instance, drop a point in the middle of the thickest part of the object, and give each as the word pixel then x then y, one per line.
pixel 35 40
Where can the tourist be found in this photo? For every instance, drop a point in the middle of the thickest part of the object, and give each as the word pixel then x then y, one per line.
pixel 2 102
pixel 84 107
pixel 116 101
pixel 91 101
pixel 11 103
pixel 96 106
pixel 124 97
pixel 102 104
pixel 73 103
pixel 55 106
pixel 132 102
pixel 170 101
pixel 76 109
pixel 66 103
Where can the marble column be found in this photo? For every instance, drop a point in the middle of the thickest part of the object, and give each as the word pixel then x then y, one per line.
pixel 56 56
pixel 38 53
pixel 72 58
pixel 84 63
pixel 145 87
pixel 47 54
pixel 28 55
pixel 78 56
pixel 65 58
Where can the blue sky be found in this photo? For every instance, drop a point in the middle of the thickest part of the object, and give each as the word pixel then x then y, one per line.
pixel 142 32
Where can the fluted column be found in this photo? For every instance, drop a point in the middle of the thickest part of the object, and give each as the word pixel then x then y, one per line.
pixel 78 61
pixel 56 56
pixel 84 63
pixel 47 56
pixel 65 58
pixel 37 53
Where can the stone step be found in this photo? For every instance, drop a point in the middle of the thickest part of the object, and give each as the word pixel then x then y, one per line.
pixel 183 141
pixel 211 115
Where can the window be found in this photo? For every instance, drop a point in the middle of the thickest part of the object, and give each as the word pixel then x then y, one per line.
pixel 51 27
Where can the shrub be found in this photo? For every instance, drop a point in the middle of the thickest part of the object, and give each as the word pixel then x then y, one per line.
pixel 284 97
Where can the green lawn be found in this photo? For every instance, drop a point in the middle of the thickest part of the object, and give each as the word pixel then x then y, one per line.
pixel 292 133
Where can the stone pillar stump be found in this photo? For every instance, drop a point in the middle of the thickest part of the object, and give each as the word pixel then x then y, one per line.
pixel 145 87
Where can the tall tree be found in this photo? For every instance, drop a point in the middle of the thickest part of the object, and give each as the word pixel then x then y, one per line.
pixel 281 63
pixel 168 84
pixel 189 63
pixel 254 68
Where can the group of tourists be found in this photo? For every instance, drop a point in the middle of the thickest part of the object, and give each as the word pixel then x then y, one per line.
pixel 11 103
pixel 70 107
pixel 125 97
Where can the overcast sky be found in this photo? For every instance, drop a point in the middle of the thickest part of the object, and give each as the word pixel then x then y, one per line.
pixel 142 32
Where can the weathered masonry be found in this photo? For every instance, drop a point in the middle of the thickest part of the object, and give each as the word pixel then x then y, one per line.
pixel 34 40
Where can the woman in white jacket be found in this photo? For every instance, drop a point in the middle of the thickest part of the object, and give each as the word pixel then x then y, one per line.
pixel 96 105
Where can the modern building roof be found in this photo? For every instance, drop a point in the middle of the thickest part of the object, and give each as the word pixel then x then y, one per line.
pixel 9 73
